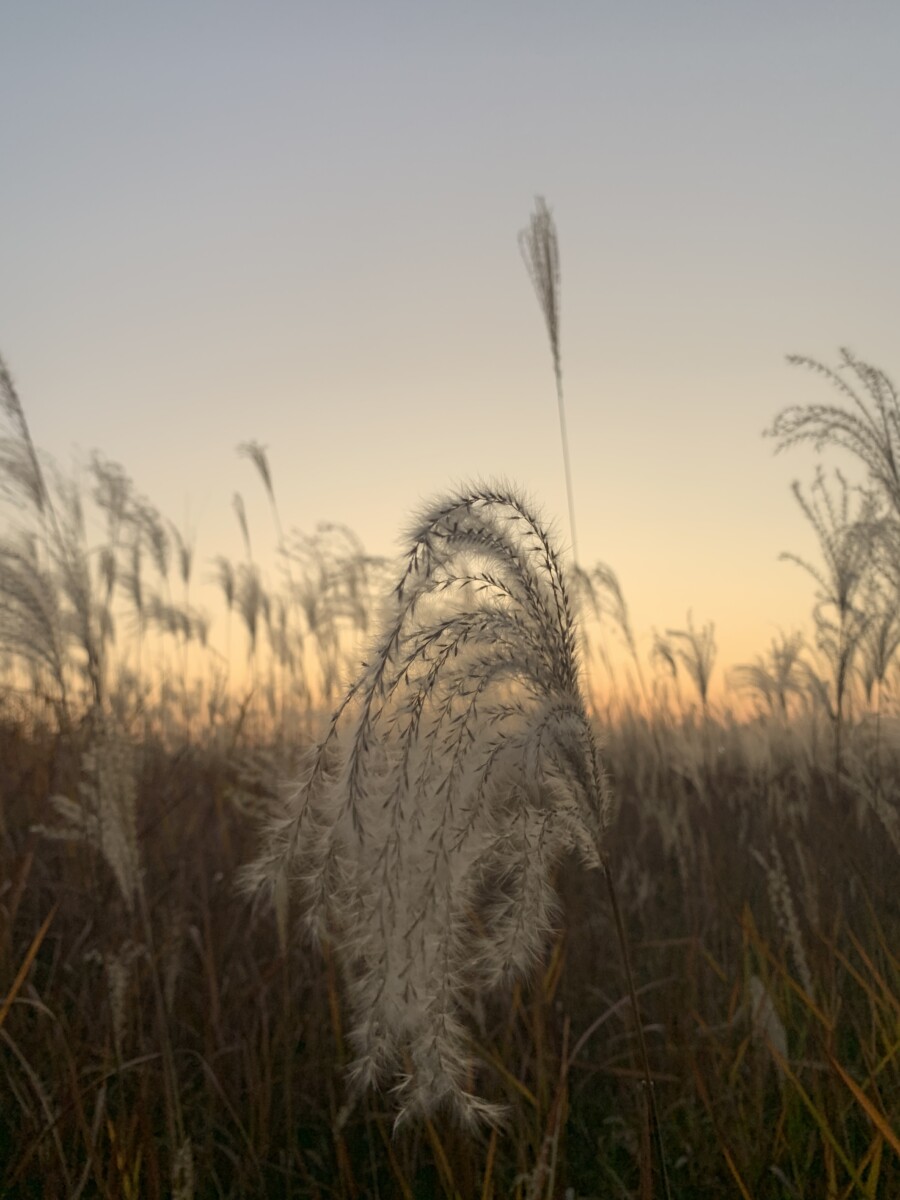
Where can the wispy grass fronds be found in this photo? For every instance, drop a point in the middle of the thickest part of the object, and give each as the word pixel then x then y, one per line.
pixel 251 602
pixel 781 898
pixel 880 639
pixel 540 250
pixel 334 585
pixel 611 600
pixel 766 1027
pixel 845 544
pixel 119 966
pixel 256 453
pixel 776 677
pixel 539 245
pixel 458 768
pixel 18 455
pixel 867 424
pixel 844 537
pixel 32 626
pixel 104 817
pixel 240 511
pixel 697 651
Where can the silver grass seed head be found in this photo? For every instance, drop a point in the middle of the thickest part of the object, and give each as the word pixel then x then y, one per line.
pixel 457 770
pixel 539 246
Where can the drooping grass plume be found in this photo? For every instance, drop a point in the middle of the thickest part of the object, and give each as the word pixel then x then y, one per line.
pixel 845 543
pixel 18 454
pixel 458 769
pixel 867 424
pixel 881 638
pixel 48 551
pixel 256 453
pixel 32 624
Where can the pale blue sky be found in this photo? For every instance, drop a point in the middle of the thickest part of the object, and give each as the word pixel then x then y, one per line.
pixel 297 223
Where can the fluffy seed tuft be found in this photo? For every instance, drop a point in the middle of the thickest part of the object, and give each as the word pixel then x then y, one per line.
pixel 458 769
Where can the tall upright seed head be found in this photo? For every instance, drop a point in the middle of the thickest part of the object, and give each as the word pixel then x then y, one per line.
pixel 540 250
pixel 460 766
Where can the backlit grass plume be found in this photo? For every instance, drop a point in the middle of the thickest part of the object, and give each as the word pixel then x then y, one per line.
pixel 459 767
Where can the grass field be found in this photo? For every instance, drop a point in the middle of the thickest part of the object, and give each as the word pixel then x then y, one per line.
pixel 161 1034
pixel 764 917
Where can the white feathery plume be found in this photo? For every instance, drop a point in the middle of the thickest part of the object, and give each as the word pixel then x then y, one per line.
pixel 458 769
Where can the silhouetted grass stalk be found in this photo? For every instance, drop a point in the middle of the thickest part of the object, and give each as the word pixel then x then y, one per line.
pixel 540 250
pixel 539 246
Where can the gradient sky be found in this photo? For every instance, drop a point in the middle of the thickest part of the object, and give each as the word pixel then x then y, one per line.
pixel 297 223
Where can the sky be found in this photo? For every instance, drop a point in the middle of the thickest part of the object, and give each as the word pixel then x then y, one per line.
pixel 297 223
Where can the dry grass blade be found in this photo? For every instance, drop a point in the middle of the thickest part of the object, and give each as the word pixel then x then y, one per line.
pixel 23 970
pixel 830 1142
pixel 878 1119
pixel 726 1151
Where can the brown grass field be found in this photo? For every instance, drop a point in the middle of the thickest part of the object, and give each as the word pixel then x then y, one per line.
pixel 163 1035
pixel 764 920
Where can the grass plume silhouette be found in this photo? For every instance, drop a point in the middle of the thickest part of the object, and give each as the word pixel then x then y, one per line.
pixel 458 769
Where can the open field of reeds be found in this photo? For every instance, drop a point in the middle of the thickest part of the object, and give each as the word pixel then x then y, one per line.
pixel 164 1032
pixel 764 921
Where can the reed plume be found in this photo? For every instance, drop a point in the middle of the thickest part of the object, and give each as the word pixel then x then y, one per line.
pixel 867 424
pixel 539 247
pixel 105 815
pixel 846 545
pixel 457 770
pixel 697 652
pixel 773 679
